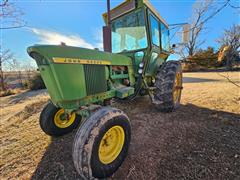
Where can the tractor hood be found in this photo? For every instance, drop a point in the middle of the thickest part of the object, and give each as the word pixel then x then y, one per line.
pixel 71 73
pixel 47 54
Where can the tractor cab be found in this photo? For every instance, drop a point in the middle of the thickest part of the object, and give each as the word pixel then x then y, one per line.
pixel 138 31
pixel 82 82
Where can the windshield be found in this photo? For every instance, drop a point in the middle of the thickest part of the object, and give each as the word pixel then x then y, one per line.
pixel 129 32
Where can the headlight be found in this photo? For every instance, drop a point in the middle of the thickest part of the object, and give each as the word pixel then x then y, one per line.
pixel 140 71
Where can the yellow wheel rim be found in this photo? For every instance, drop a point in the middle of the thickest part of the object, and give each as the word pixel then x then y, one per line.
pixel 111 144
pixel 62 121
pixel 177 87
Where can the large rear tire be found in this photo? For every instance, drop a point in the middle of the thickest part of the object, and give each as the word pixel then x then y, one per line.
pixel 168 86
pixel 53 122
pixel 101 143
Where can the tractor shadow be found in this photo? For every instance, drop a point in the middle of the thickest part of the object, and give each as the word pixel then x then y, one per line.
pixel 197 80
pixel 161 144
pixel 56 162
pixel 26 95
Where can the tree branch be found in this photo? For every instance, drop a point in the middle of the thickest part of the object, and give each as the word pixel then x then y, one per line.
pixel 229 80
pixel 10 16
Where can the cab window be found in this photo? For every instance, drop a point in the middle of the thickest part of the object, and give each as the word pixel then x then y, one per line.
pixel 129 32
pixel 164 37
pixel 154 30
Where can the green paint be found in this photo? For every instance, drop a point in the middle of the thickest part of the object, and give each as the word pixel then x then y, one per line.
pixel 50 51
pixel 78 77
pixel 87 100
pixel 124 92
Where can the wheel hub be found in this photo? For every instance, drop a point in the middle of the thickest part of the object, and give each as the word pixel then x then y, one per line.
pixel 63 120
pixel 111 144
pixel 177 88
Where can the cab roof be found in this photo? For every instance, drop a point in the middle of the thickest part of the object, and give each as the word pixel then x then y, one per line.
pixel 129 5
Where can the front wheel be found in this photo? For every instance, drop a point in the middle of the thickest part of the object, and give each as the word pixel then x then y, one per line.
pixel 54 122
pixel 168 86
pixel 101 143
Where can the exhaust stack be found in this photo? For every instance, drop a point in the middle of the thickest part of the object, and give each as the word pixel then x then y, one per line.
pixel 107 35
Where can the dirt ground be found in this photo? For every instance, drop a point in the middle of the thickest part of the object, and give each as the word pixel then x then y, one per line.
pixel 200 140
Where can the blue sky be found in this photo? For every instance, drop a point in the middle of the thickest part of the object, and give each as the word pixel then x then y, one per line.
pixel 79 22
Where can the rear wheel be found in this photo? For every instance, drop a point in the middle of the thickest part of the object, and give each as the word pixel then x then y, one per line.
pixel 168 86
pixel 54 122
pixel 101 143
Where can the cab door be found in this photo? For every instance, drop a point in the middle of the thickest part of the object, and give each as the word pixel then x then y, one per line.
pixel 155 59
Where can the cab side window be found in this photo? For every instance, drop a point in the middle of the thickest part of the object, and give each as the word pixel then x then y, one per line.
pixel 165 38
pixel 155 31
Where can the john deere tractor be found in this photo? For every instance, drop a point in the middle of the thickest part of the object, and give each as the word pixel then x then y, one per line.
pixel 82 82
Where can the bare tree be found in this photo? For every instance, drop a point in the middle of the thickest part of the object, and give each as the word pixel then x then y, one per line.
pixel 230 41
pixel 10 16
pixel 5 57
pixel 29 69
pixel 202 12
pixel 16 67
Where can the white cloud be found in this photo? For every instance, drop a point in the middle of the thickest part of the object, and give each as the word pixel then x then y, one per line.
pixel 51 37
pixel 98 36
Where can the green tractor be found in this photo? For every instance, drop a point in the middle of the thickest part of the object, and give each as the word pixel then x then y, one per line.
pixel 82 82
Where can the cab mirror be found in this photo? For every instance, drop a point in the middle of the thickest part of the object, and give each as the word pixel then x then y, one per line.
pixel 186 33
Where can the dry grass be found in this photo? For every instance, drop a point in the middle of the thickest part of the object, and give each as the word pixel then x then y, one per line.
pixel 201 140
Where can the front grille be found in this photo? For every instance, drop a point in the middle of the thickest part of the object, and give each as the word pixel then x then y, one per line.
pixel 95 79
